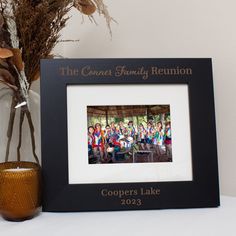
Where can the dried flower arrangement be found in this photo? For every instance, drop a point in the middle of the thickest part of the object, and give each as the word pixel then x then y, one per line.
pixel 29 30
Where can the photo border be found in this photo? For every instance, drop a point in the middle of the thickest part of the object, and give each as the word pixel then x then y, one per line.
pixel 60 196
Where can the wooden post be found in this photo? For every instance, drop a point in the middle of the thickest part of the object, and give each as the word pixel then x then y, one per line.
pixel 148 114
pixel 106 117
pixel 162 118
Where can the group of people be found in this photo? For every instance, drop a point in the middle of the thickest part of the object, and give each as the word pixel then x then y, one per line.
pixel 116 138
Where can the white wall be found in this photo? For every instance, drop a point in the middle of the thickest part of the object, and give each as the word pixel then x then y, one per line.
pixel 170 28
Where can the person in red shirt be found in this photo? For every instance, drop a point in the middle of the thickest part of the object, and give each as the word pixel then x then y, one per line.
pixel 99 141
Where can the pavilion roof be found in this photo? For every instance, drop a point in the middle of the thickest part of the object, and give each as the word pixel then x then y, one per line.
pixel 127 111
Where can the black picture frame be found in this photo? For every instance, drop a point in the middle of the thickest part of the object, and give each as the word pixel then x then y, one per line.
pixel 60 196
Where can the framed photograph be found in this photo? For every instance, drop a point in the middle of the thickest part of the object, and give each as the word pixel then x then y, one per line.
pixel 128 134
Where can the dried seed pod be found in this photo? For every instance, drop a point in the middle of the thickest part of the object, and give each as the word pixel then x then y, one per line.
pixel 17 59
pixel 87 7
pixel 5 53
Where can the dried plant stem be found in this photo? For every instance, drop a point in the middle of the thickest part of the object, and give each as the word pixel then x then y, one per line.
pixel 22 116
pixel 31 126
pixel 10 127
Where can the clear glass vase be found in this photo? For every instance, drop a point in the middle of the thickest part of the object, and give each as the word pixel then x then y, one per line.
pixel 20 146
